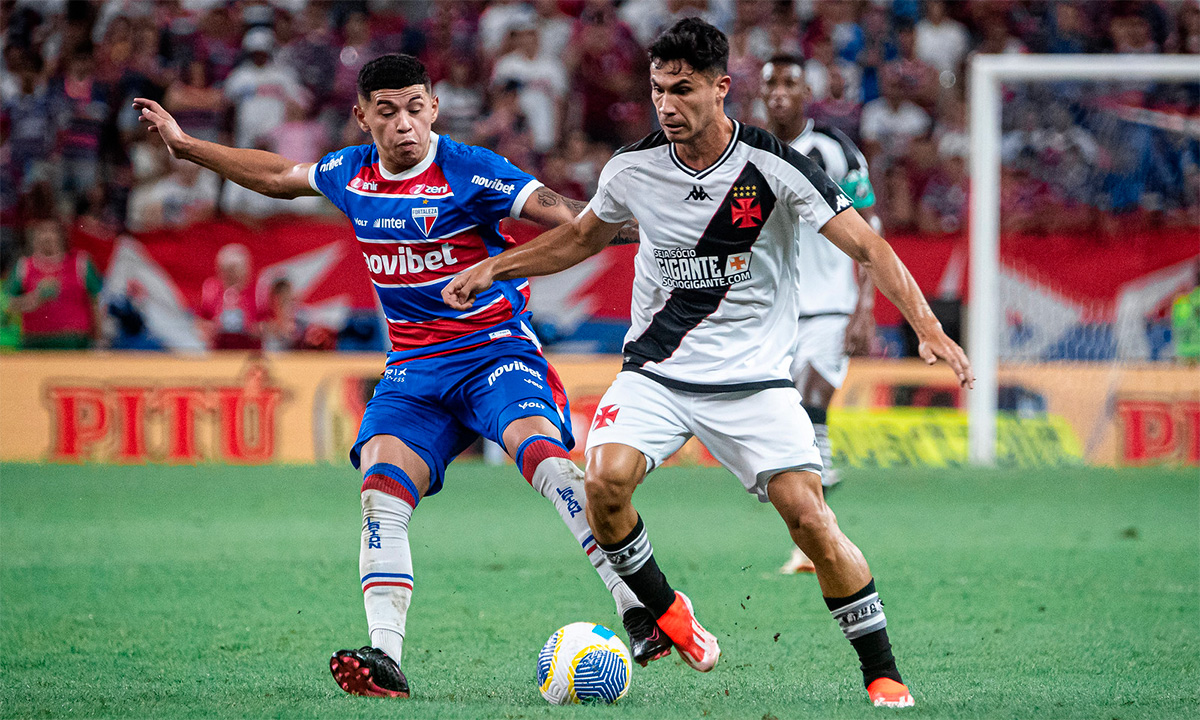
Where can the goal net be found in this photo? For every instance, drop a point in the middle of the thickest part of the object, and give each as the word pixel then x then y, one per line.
pixel 1085 252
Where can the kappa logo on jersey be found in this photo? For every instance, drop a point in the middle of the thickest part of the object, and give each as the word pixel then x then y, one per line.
pixel 493 184
pixel 745 210
pixel 605 416
pixel 388 223
pixel 682 268
pixel 843 202
pixel 404 261
pixel 425 217
pixel 698 193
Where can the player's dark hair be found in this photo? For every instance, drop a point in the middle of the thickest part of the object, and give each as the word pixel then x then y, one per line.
pixel 392 72
pixel 695 42
pixel 781 59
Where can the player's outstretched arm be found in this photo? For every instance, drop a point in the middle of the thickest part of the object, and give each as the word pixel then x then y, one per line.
pixel 854 236
pixel 549 209
pixel 552 251
pixel 263 172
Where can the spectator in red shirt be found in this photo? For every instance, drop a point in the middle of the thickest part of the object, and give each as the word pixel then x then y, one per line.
pixel 229 316
pixel 54 289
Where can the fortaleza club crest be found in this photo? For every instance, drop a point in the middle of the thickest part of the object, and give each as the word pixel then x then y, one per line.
pixel 425 217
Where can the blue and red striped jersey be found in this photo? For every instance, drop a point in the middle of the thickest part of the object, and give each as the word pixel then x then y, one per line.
pixel 419 228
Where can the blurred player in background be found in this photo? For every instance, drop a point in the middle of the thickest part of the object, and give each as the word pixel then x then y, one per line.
pixel 837 300
pixel 423 207
pixel 708 355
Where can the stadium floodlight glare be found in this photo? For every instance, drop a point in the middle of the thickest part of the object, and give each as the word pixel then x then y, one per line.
pixel 984 321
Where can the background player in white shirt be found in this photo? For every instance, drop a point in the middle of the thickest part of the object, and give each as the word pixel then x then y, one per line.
pixel 711 342
pixel 837 300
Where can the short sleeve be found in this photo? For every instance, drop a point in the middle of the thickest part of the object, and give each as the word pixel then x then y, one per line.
pixel 495 188
pixel 330 175
pixel 609 203
pixel 812 194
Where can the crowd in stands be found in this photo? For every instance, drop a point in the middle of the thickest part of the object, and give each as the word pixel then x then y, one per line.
pixel 556 85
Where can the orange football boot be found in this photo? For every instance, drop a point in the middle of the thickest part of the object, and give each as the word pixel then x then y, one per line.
pixel 886 692
pixel 697 646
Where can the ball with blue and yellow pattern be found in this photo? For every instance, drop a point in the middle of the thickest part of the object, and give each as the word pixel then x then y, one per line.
pixel 583 663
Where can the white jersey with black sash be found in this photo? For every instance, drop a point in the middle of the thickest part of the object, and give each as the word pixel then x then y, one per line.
pixel 715 301
pixel 828 285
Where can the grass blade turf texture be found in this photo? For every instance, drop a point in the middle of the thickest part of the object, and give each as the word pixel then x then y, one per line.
pixel 214 592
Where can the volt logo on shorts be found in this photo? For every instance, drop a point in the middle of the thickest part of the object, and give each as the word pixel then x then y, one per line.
pixel 514 366
pixel 605 416
pixel 568 497
pixel 373 539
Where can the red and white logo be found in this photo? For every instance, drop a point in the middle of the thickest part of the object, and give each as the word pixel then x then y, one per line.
pixel 605 416
pixel 425 217
pixel 746 213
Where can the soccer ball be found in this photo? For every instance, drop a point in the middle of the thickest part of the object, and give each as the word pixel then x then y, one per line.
pixel 583 663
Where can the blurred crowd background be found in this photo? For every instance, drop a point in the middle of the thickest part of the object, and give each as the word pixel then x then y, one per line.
pixel 556 86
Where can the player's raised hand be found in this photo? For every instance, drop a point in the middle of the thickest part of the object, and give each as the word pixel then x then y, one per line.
pixel 939 346
pixel 161 122
pixel 460 292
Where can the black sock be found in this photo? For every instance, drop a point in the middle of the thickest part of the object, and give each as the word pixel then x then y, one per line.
pixel 862 621
pixel 633 559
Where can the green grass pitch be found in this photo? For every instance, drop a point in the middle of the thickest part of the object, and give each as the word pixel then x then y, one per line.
pixel 216 592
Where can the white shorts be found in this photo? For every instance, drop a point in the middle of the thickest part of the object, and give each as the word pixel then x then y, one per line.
pixel 755 434
pixel 821 347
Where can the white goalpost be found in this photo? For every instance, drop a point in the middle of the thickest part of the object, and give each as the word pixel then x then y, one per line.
pixel 987 74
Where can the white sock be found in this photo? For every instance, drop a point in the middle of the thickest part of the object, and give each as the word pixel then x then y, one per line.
pixel 385 565
pixel 829 476
pixel 561 482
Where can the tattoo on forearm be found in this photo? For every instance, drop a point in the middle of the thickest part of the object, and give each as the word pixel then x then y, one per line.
pixel 548 198
pixel 627 235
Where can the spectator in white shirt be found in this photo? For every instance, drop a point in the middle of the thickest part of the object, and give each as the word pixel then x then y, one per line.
pixel 941 41
pixel 260 90
pixel 543 83
pixel 891 121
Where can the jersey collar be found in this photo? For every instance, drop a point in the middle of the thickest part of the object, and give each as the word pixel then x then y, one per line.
pixel 808 128
pixel 417 169
pixel 698 174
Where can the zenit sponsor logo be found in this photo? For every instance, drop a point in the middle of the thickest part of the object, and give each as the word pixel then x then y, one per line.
pixel 682 268
pixel 421 189
pixel 516 366
pixel 506 188
pixel 405 261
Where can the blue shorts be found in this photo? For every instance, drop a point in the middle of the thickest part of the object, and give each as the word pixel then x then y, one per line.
pixel 440 405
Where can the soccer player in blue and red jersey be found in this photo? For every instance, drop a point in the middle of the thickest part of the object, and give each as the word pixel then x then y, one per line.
pixel 424 208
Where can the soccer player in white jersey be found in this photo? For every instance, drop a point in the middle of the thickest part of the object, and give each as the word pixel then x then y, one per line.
pixel 837 300
pixel 714 325
pixel 422 206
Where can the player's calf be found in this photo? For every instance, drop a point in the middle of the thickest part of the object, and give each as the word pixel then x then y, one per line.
pixel 845 580
pixel 546 465
pixel 385 562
